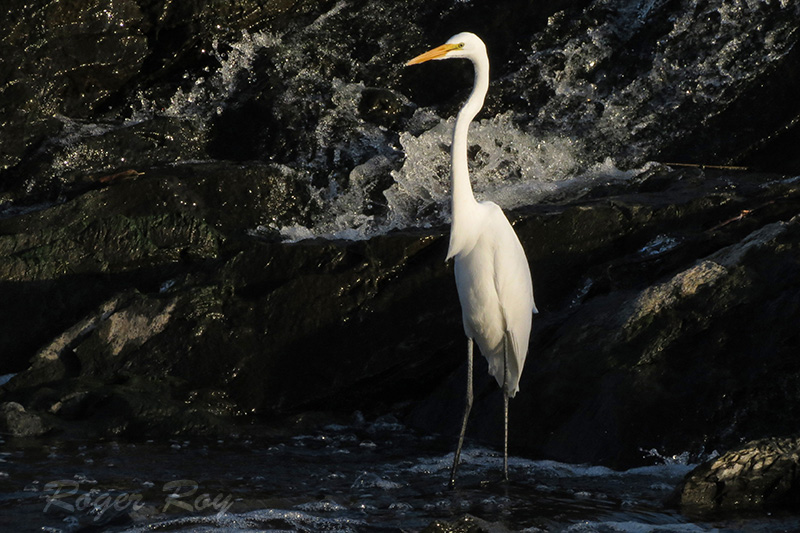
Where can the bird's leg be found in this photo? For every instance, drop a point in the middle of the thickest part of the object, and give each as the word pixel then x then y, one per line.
pixel 505 438
pixel 505 407
pixel 467 409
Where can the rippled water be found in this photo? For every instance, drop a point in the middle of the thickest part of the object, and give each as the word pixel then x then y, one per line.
pixel 358 476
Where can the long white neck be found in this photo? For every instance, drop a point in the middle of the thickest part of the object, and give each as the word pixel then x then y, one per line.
pixel 464 203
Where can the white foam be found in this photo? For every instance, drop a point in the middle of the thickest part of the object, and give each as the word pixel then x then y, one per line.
pixel 509 167
pixel 259 520
pixel 658 245
pixel 631 527
pixel 372 480
pixel 296 232
pixel 701 63
pixel 481 458
pixel 208 93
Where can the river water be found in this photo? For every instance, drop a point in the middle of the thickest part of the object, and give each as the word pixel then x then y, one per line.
pixel 353 476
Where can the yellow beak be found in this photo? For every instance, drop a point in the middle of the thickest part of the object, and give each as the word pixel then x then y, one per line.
pixel 436 53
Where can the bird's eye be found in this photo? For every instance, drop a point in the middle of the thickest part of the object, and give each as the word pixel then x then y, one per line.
pixel 460 45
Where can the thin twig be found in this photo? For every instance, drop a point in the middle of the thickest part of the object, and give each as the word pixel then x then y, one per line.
pixel 700 165
pixel 740 216
pixel 120 176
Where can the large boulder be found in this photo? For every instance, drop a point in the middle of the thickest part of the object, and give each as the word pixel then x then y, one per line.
pixel 757 476
pixel 58 264
pixel 17 422
pixel 138 300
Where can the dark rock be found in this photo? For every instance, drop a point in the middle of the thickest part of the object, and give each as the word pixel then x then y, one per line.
pixel 239 343
pixel 72 406
pixel 89 61
pixel 18 422
pixel 383 107
pixel 80 161
pixel 84 53
pixel 465 524
pixel 775 152
pixel 658 329
pixel 760 475
pixel 778 151
pixel 58 264
pixel 162 301
pixel 130 62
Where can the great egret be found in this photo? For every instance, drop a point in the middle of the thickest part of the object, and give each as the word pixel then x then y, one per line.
pixel 492 274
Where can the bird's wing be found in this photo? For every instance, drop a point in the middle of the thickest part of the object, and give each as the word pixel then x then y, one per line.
pixel 515 292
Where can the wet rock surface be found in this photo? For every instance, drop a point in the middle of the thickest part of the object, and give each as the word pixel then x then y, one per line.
pixel 760 475
pixel 668 332
pixel 92 88
pixel 17 422
pixel 465 524
pixel 67 62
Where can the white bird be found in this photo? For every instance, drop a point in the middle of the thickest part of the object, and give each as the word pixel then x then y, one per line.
pixel 492 274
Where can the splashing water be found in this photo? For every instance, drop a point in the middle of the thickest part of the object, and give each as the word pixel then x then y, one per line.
pixel 698 59
pixel 508 166
pixel 591 105
pixel 606 108
pixel 209 93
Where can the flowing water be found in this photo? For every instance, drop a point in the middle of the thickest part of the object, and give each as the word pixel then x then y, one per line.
pixel 359 476
pixel 587 99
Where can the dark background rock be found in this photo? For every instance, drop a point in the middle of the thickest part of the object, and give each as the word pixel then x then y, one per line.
pixel 63 59
pixel 60 263
pixel 67 62
pixel 668 317
pixel 688 349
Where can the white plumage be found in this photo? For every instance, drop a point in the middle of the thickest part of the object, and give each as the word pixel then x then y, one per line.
pixel 492 274
pixel 496 294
